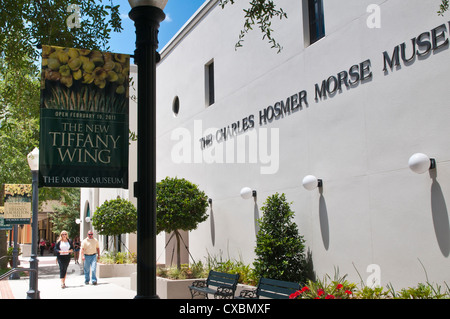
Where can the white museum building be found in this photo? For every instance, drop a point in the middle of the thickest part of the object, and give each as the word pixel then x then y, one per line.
pixel 359 87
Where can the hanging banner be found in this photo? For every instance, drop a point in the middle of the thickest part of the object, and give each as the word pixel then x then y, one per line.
pixel 84 118
pixel 17 204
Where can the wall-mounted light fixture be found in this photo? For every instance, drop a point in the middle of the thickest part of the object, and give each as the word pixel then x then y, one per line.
pixel 247 192
pixel 87 219
pixel 311 182
pixel 420 163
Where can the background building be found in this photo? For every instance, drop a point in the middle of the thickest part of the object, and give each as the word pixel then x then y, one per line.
pixel 358 88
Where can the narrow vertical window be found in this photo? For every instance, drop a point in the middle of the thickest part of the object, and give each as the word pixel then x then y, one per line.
pixel 209 83
pixel 316 20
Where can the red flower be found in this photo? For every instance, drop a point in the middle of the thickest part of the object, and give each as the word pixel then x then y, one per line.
pixel 305 289
pixel 339 286
pixel 295 294
pixel 329 297
pixel 348 292
pixel 320 292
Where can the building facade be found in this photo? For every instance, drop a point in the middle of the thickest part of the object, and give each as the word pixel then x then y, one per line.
pixel 358 88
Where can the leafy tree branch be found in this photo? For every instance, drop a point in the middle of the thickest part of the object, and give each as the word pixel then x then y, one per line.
pixel 260 13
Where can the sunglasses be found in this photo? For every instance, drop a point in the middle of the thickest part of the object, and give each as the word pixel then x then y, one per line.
pixel 90 234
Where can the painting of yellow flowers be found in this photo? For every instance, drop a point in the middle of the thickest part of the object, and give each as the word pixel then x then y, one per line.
pixel 84 80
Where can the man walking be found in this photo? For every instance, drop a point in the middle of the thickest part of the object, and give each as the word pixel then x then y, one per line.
pixel 90 253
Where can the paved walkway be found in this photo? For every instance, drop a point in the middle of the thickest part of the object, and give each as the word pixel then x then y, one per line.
pixel 49 284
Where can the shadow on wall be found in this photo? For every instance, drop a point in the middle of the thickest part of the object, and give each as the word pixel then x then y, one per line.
pixel 256 218
pixel 212 224
pixel 323 219
pixel 440 216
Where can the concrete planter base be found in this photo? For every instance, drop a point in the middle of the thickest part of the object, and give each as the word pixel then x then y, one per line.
pixel 177 289
pixel 173 289
pixel 115 270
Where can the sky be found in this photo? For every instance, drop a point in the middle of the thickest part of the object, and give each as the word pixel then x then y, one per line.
pixel 178 12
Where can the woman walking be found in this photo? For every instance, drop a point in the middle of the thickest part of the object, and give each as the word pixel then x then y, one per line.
pixel 76 249
pixel 63 249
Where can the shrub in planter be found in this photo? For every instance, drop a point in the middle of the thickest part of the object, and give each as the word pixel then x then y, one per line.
pixel 179 205
pixel 115 217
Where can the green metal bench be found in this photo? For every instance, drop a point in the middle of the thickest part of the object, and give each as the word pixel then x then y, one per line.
pixel 221 285
pixel 270 288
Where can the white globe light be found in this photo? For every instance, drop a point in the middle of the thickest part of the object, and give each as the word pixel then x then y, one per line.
pixel 33 159
pixel 246 192
pixel 419 163
pixel 310 182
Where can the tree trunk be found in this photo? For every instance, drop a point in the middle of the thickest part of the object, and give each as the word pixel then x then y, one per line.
pixel 3 249
pixel 178 249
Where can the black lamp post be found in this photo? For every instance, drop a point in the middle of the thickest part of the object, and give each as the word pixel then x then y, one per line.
pixel 33 162
pixel 147 15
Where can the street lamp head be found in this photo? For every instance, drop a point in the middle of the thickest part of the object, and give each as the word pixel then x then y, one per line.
pixel 152 3
pixel 33 159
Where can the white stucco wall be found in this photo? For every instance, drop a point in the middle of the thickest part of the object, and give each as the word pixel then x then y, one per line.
pixel 372 209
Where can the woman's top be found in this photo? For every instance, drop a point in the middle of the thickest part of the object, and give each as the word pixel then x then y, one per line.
pixel 76 245
pixel 62 247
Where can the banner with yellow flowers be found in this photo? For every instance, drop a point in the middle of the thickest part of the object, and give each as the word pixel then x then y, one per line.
pixel 84 118
pixel 17 204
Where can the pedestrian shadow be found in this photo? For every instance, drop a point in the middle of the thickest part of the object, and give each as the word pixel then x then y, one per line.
pixel 74 286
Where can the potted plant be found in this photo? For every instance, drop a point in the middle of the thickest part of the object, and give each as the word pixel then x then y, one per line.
pixel 180 205
pixel 10 255
pixel 113 218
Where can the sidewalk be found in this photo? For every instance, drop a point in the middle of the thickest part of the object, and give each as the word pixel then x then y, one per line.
pixel 49 284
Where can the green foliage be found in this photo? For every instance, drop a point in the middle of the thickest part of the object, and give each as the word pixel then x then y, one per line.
pixel 201 270
pixel 24 24
pixel 372 293
pixel 260 13
pixel 443 7
pixel 181 205
pixel 246 272
pixel 64 216
pixel 421 291
pixel 196 270
pixel 118 258
pixel 279 247
pixel 115 217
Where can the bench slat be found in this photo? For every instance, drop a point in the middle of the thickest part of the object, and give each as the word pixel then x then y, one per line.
pixel 225 283
pixel 275 289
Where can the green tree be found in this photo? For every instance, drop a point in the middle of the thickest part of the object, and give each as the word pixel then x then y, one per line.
pixel 279 246
pixel 180 205
pixel 65 215
pixel 115 217
pixel 23 25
